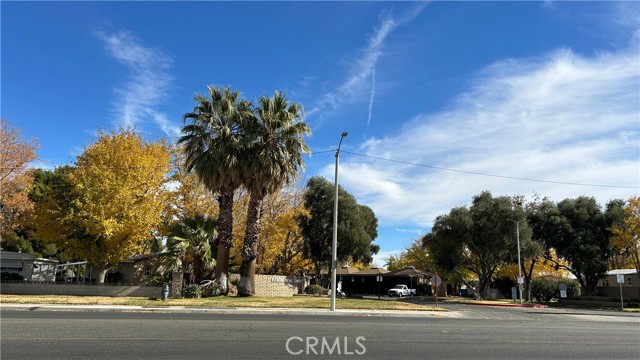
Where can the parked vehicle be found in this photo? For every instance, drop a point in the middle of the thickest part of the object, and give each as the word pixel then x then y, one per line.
pixel 401 290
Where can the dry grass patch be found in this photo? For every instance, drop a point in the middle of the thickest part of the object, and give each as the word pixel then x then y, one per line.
pixel 301 302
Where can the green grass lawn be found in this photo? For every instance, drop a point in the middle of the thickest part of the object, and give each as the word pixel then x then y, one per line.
pixel 595 305
pixel 293 302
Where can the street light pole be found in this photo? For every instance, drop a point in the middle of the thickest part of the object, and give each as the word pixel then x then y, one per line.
pixel 519 266
pixel 334 247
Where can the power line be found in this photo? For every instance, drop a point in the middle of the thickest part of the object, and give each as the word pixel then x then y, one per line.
pixel 491 175
pixel 320 152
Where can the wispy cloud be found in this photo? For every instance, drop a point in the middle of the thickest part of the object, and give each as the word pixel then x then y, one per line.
pixel 148 83
pixel 373 94
pixel 363 72
pixel 410 231
pixel 561 117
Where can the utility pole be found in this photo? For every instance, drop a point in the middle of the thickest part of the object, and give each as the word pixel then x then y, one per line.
pixel 334 251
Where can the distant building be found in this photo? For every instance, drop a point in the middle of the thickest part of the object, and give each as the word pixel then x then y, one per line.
pixel 28 266
pixel 609 286
pixel 366 282
pixel 362 281
pixel 139 269
pixel 409 276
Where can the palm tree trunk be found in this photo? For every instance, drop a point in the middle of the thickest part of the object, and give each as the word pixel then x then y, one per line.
pixel 102 275
pixel 197 269
pixel 224 240
pixel 246 287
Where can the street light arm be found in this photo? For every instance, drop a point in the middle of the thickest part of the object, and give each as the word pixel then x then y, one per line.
pixel 344 134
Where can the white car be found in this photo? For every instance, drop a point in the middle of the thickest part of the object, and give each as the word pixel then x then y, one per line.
pixel 401 290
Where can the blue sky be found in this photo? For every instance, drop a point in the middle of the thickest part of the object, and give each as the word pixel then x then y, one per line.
pixel 526 90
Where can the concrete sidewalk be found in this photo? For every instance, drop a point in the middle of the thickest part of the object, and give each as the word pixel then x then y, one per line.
pixel 238 310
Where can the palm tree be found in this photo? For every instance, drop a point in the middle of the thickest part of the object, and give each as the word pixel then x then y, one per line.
pixel 213 146
pixel 191 246
pixel 275 158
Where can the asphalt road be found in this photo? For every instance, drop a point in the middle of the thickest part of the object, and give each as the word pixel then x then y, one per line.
pixel 468 332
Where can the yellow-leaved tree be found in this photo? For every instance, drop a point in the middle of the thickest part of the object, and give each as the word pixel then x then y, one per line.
pixel 188 196
pixel 626 236
pixel 118 200
pixel 414 255
pixel 281 246
pixel 15 179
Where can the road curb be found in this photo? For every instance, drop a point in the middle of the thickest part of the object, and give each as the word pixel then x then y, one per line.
pixel 249 311
pixel 536 306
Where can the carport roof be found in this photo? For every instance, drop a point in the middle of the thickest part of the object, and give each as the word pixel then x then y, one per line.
pixel 407 272
pixel 346 270
pixel 371 272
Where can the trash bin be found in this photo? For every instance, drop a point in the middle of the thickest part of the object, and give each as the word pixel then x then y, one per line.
pixel 165 292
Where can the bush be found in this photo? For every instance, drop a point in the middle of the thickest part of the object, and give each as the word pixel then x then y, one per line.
pixel 545 290
pixel 209 288
pixel 9 276
pixel 192 291
pixel 159 279
pixel 314 290
pixel 573 288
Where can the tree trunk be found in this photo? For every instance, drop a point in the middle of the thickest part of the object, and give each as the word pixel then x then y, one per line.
pixel 484 280
pixel 581 281
pixel 528 277
pixel 176 284
pixel 224 240
pixel 246 287
pixel 102 274
pixel 470 287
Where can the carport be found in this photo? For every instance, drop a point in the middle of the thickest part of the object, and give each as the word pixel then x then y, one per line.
pixel 362 281
pixel 409 276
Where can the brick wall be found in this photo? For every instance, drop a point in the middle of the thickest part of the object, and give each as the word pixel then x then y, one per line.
pixel 278 285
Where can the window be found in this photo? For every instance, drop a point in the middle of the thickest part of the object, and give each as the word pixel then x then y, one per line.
pixel 147 270
pixel 11 266
pixel 629 281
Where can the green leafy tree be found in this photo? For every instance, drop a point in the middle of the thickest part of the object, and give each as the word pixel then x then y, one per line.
pixel 274 158
pixel 191 247
pixel 53 195
pixel 479 239
pixel 580 233
pixel 214 146
pixel 357 226
pixel 47 184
